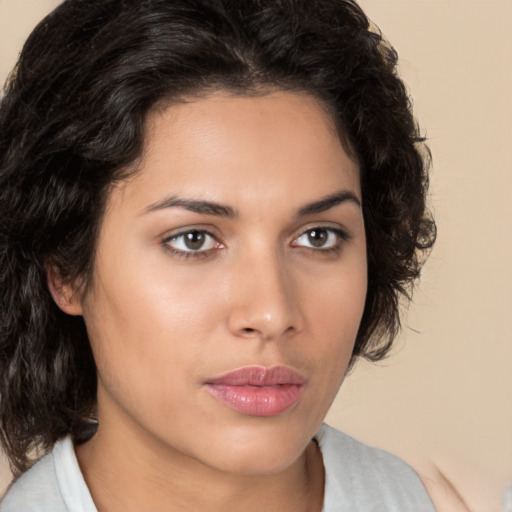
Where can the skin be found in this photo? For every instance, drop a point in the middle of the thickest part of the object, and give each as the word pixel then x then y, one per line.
pixel 163 321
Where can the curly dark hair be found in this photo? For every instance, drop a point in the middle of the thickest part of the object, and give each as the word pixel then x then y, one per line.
pixel 72 118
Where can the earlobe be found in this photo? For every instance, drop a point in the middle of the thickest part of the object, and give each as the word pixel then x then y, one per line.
pixel 64 293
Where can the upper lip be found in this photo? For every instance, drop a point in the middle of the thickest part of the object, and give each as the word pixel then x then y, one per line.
pixel 259 376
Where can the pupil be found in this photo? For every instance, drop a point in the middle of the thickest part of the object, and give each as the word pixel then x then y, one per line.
pixel 317 237
pixel 194 240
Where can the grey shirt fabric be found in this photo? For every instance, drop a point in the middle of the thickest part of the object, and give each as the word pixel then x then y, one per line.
pixel 358 479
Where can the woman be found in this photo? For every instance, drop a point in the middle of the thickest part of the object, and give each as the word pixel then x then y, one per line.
pixel 210 210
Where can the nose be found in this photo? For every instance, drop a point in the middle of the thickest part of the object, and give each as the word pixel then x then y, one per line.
pixel 264 301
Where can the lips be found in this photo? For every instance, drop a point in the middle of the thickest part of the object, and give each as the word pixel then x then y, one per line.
pixel 257 390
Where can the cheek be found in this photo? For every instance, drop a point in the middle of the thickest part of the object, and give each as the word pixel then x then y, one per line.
pixel 337 303
pixel 146 322
pixel 334 312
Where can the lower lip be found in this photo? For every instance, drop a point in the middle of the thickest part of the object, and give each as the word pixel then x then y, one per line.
pixel 258 400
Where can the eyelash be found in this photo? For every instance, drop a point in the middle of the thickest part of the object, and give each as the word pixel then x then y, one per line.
pixel 341 235
pixel 183 254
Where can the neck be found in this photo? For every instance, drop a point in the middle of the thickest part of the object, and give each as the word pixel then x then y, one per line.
pixel 125 473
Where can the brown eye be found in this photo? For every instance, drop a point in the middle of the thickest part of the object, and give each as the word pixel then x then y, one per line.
pixel 322 238
pixel 318 237
pixel 192 241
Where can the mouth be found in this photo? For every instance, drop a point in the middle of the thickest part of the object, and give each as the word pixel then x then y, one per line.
pixel 258 390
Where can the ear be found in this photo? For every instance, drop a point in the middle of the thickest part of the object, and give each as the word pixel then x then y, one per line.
pixel 64 293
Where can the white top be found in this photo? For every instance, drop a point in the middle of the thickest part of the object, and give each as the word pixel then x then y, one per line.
pixel 358 478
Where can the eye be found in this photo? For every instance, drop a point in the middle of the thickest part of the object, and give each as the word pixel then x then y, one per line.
pixel 192 241
pixel 323 238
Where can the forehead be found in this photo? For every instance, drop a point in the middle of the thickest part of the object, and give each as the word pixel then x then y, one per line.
pixel 243 147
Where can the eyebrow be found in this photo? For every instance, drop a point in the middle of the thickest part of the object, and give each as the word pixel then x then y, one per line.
pixel 220 210
pixel 193 205
pixel 329 202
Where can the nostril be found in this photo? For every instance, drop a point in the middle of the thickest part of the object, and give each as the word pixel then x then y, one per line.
pixel 249 330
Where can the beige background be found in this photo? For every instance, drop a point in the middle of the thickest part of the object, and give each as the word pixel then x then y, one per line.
pixel 443 401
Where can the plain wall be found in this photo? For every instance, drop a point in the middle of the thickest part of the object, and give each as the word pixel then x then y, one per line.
pixel 443 401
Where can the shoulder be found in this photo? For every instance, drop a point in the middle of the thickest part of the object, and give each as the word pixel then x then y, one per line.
pixel 340 449
pixel 35 490
pixel 53 484
pixel 368 478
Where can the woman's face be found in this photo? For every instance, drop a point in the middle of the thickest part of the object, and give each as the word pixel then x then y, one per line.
pixel 229 282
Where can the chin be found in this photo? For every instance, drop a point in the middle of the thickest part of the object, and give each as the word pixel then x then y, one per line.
pixel 261 451
pixel 259 463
